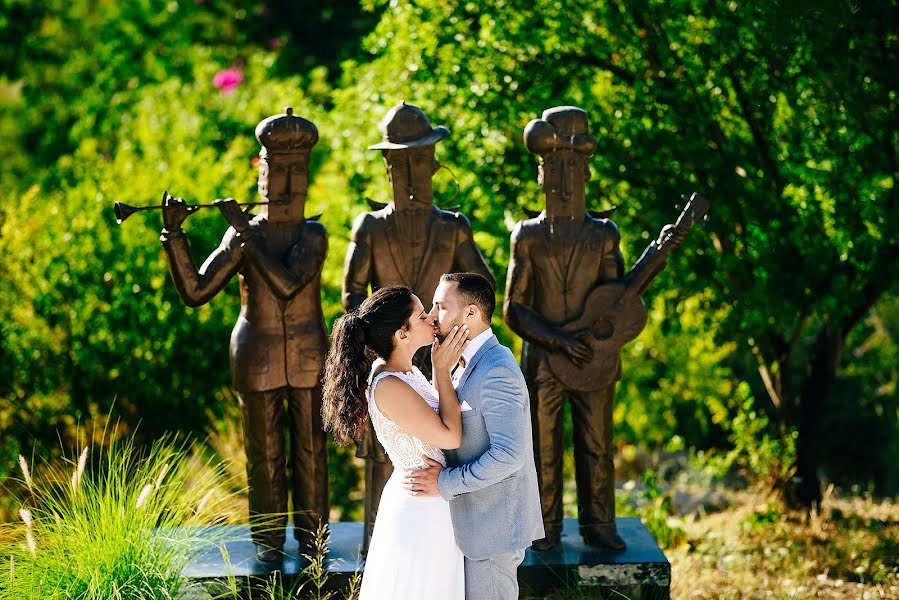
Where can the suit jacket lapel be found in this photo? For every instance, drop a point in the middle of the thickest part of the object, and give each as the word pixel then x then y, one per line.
pixel 576 253
pixel 435 230
pixel 474 361
pixel 551 252
pixel 395 251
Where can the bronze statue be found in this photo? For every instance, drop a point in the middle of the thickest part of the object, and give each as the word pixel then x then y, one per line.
pixel 569 299
pixel 279 343
pixel 407 242
pixel 557 259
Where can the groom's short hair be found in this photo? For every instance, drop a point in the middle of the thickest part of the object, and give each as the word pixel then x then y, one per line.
pixel 475 289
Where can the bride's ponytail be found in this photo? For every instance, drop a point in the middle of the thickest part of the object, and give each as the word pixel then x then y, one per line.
pixel 344 410
pixel 355 340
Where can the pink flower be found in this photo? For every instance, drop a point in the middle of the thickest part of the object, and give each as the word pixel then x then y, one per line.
pixel 228 80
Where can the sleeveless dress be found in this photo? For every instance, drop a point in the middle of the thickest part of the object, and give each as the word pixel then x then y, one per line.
pixel 413 553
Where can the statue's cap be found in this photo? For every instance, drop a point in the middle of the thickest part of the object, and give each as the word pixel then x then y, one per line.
pixel 560 128
pixel 286 133
pixel 407 126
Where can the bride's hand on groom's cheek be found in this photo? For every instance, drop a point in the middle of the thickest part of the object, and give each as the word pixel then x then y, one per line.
pixel 424 481
pixel 445 355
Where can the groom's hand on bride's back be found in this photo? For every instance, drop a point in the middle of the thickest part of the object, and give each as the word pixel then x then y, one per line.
pixel 424 481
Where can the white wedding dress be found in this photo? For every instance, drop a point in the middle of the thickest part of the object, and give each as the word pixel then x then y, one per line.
pixel 413 552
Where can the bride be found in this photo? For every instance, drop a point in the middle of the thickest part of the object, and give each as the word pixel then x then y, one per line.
pixel 413 552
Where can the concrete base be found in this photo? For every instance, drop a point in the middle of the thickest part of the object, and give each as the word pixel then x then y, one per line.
pixel 641 571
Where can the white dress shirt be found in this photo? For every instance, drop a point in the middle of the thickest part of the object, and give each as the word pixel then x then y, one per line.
pixel 473 346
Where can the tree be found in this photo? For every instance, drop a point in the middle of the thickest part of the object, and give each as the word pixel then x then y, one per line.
pixel 784 117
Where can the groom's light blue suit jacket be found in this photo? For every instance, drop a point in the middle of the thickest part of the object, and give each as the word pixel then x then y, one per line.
pixel 490 481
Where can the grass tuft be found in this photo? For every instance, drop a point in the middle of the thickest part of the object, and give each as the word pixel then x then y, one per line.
pixel 313 583
pixel 122 526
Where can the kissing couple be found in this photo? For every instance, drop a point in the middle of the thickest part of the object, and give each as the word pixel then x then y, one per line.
pixel 462 504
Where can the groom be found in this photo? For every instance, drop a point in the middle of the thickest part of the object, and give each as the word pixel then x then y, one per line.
pixel 490 481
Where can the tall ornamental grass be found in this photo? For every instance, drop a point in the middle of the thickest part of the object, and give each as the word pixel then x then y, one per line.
pixel 117 523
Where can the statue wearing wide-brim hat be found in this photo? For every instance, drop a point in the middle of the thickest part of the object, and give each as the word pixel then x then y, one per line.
pixel 409 242
pixel 407 126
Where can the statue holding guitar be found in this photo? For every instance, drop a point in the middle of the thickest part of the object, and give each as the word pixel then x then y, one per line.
pixel 614 314
pixel 569 298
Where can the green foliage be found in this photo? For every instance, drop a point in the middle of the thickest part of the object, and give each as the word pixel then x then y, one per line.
pixel 754 450
pixel 762 517
pixel 92 314
pixel 780 116
pixel 346 479
pixel 865 404
pixel 84 64
pixel 675 376
pixel 122 524
pixel 784 117
pixel 654 507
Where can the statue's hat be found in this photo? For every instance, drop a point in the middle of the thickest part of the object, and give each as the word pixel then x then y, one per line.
pixel 407 126
pixel 560 128
pixel 286 133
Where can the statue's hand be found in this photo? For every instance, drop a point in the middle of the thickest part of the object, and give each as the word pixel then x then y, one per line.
pixel 232 212
pixel 174 212
pixel 297 255
pixel 575 346
pixel 678 235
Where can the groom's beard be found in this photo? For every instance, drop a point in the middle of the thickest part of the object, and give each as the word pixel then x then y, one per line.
pixel 446 331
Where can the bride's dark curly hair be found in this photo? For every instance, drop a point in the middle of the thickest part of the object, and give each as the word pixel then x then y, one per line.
pixel 356 339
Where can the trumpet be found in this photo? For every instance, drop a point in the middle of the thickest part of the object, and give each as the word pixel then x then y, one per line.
pixel 123 211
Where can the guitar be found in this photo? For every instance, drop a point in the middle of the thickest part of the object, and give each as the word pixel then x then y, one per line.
pixel 614 313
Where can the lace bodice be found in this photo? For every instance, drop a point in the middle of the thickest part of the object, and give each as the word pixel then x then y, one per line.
pixel 405 450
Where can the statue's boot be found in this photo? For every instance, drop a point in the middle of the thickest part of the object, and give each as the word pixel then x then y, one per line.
pixel 546 543
pixel 267 554
pixel 605 538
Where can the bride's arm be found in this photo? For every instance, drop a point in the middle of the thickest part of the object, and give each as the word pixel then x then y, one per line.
pixel 401 404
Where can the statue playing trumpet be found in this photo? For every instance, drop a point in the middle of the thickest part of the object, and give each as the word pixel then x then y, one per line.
pixel 279 342
pixel 123 211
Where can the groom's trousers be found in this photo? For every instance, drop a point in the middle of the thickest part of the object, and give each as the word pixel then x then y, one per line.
pixel 495 578
pixel 264 432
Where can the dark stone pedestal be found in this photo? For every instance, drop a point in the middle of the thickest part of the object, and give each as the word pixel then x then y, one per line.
pixel 214 570
pixel 641 571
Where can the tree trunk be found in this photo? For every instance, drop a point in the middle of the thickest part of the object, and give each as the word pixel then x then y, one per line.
pixel 821 374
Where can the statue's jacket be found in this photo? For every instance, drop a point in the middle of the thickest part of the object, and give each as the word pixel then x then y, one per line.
pixel 552 273
pixel 378 254
pixel 280 338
